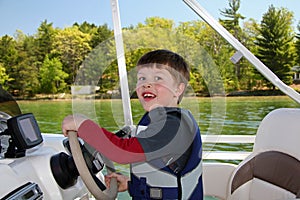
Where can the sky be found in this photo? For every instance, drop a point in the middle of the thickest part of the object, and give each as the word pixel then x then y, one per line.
pixel 27 15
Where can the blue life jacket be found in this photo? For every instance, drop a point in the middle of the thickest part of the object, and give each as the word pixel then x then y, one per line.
pixel 149 182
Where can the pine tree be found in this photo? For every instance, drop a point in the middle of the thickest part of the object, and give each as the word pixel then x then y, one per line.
pixel 275 43
pixel 232 24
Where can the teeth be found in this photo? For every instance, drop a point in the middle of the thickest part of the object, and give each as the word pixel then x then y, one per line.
pixel 148 95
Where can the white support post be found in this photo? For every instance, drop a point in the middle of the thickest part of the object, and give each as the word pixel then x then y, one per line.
pixel 121 63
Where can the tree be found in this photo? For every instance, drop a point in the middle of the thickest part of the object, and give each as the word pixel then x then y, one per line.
pixel 102 34
pixel 98 34
pixel 8 59
pixel 232 24
pixel 157 22
pixel 71 46
pixel 8 51
pixel 52 76
pixel 4 78
pixel 275 42
pixel 249 79
pixel 19 61
pixel 44 40
pixel 297 46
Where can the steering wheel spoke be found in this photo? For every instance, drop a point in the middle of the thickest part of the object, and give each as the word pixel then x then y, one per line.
pixel 89 179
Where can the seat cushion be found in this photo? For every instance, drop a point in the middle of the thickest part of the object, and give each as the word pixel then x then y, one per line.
pixel 257 189
pixel 279 131
pixel 273 167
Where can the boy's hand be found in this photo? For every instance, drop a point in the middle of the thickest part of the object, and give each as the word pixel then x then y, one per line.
pixel 126 131
pixel 121 179
pixel 72 123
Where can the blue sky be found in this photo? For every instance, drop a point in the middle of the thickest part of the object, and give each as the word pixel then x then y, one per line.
pixel 26 15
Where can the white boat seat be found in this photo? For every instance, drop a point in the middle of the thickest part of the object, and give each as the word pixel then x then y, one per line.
pixel 272 171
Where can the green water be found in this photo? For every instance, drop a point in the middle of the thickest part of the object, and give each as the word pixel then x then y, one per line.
pixel 234 115
pixel 242 114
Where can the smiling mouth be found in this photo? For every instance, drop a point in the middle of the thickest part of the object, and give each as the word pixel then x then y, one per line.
pixel 148 95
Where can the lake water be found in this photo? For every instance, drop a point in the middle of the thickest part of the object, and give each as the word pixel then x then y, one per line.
pixel 234 115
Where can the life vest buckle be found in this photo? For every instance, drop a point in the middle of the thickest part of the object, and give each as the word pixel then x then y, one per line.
pixel 156 193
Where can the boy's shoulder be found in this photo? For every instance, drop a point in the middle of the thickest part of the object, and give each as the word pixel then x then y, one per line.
pixel 164 110
pixel 176 111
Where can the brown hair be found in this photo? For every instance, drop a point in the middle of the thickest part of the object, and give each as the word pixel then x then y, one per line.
pixel 177 66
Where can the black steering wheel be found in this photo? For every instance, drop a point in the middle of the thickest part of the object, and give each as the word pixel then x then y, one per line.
pixel 3 120
pixel 4 142
pixel 88 179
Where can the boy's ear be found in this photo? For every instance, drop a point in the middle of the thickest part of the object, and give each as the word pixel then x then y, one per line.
pixel 180 89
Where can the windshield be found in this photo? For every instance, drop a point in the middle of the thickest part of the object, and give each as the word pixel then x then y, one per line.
pixel 8 104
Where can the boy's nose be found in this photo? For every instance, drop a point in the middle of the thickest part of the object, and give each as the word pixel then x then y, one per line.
pixel 147 85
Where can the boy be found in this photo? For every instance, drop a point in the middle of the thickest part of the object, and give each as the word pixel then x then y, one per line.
pixel 166 155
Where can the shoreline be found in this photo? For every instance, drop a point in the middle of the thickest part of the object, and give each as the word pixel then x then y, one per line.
pixel 103 96
pixel 59 97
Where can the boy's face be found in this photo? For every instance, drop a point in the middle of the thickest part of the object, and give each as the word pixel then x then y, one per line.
pixel 157 87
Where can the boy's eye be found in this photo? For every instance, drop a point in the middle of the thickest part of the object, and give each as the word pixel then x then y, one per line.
pixel 157 78
pixel 141 78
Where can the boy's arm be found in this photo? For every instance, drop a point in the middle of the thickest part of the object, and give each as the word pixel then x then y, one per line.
pixel 119 150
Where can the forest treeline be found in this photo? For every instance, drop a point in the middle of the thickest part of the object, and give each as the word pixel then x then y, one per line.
pixel 53 59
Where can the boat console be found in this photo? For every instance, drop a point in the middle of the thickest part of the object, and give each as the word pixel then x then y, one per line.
pixel 25 158
pixel 24 133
